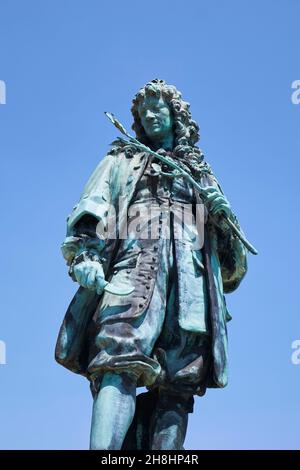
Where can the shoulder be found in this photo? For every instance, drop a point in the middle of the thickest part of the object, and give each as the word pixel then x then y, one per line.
pixel 120 148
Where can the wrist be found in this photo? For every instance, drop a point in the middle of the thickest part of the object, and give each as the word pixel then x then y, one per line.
pixel 86 254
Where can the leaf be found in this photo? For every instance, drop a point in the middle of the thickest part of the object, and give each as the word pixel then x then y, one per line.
pixel 116 123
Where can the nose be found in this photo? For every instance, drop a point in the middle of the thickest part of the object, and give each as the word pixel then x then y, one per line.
pixel 150 116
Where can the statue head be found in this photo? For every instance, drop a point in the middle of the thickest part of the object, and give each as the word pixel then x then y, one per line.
pixel 158 111
pixel 156 118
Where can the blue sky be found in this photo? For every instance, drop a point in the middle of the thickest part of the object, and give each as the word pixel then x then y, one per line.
pixel 64 63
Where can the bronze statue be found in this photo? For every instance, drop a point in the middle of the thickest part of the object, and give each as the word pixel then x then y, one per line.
pixel 150 310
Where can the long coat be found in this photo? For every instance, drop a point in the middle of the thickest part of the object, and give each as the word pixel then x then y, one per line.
pixel 106 195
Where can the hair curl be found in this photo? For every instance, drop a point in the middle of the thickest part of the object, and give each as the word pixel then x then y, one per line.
pixel 186 130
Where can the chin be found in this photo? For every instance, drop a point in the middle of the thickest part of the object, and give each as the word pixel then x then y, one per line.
pixel 156 134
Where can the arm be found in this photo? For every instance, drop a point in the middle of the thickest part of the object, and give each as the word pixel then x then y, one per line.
pixel 85 250
pixel 232 253
pixel 86 266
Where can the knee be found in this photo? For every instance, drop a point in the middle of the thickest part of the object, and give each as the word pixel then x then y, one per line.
pixel 181 403
pixel 125 382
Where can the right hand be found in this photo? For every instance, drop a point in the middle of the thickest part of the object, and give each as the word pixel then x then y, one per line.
pixel 216 201
pixel 89 274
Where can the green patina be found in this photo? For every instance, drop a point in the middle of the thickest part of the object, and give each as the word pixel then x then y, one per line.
pixel 150 313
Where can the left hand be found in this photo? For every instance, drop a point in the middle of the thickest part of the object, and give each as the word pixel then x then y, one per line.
pixel 215 201
pixel 89 274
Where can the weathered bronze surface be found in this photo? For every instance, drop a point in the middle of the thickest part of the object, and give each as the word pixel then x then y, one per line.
pixel 150 309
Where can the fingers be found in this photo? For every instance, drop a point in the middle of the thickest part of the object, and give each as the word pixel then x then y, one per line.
pixel 210 189
pixel 211 194
pixel 85 271
pixel 216 201
pixel 100 283
pixel 89 274
pixel 222 207
pixel 90 278
pixel 217 204
pixel 78 272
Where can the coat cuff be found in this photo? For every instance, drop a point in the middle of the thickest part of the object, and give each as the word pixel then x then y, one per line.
pixel 82 248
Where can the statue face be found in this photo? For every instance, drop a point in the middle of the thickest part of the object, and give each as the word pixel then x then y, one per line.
pixel 156 118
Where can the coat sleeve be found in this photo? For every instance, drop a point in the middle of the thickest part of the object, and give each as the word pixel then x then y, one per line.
pixel 231 252
pixel 88 221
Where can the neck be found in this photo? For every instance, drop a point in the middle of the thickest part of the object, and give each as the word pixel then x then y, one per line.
pixel 165 143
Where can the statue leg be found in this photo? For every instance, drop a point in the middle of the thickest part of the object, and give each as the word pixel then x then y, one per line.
pixel 138 435
pixel 113 411
pixel 169 422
